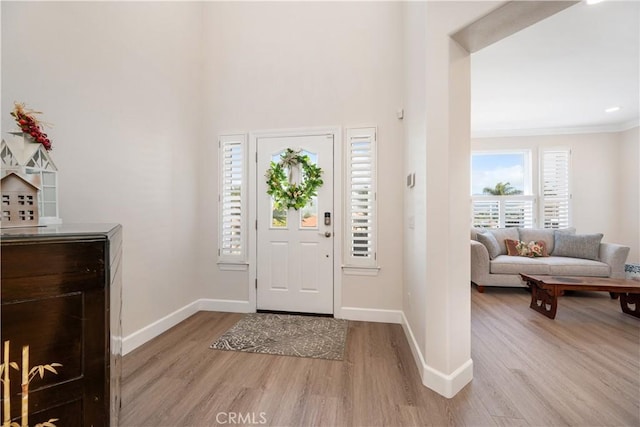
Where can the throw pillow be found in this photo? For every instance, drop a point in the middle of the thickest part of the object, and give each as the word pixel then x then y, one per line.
pixel 537 234
pixel 512 247
pixel 585 246
pixel 490 242
pixel 532 249
pixel 569 230
pixel 501 234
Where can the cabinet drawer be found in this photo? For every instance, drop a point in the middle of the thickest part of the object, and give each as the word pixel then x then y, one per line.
pixel 48 269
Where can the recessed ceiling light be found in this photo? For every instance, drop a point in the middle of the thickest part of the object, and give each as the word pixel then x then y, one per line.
pixel 594 1
pixel 612 109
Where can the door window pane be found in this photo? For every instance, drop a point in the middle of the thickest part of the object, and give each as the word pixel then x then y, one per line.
pixel 309 214
pixel 279 218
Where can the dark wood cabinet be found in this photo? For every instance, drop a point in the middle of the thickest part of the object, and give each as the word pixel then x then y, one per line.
pixel 61 296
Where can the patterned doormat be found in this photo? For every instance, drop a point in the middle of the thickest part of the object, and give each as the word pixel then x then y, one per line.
pixel 286 335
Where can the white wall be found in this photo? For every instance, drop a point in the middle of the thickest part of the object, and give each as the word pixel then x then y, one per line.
pixel 629 192
pixel 300 64
pixel 120 82
pixel 415 159
pixel 598 189
pixel 438 130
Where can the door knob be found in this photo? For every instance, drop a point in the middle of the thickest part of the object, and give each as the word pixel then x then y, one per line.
pixel 327 234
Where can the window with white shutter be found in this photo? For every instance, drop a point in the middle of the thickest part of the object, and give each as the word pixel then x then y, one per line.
pixel 232 199
pixel 361 227
pixel 503 211
pixel 518 212
pixel 556 197
pixel 501 195
pixel 486 213
pixel 501 189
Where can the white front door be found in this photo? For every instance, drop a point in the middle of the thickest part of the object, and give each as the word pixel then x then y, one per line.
pixel 295 247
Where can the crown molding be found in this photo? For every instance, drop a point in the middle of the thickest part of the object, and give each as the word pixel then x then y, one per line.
pixel 610 128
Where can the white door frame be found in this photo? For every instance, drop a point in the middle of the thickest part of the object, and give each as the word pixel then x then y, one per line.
pixel 254 174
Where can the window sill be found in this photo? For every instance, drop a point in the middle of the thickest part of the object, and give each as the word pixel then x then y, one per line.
pixel 360 271
pixel 233 266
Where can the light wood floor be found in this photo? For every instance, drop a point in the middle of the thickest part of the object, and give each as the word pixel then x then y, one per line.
pixel 581 369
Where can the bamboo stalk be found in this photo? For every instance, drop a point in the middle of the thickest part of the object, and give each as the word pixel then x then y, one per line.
pixel 25 386
pixel 6 389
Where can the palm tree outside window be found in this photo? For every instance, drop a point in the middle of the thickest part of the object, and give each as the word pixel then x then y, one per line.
pixel 501 189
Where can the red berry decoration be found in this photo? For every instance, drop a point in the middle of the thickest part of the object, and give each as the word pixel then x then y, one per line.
pixel 30 125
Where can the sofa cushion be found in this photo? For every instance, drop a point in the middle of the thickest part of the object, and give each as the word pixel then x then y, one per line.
pixel 563 266
pixel 501 234
pixel 474 233
pixel 585 246
pixel 568 230
pixel 490 242
pixel 536 235
pixel 505 264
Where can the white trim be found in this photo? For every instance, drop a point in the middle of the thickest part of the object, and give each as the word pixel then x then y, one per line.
pixel 371 315
pixel 337 205
pixel 413 345
pixel 338 233
pixel 447 385
pixel 141 336
pixel 233 266
pixel 149 332
pixel 225 305
pixel 497 133
pixel 349 270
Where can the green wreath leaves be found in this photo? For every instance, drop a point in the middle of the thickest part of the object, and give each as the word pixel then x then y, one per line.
pixel 287 194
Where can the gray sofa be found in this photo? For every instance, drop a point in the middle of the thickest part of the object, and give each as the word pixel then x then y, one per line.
pixel 575 255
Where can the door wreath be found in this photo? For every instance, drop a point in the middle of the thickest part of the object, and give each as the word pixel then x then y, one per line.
pixel 287 194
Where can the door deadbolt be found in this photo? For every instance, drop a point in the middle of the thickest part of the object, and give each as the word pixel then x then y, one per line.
pixel 327 218
pixel 327 234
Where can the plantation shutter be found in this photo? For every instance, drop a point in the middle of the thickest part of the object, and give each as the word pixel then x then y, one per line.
pixel 503 211
pixel 486 213
pixel 232 198
pixel 518 213
pixel 361 227
pixel 555 188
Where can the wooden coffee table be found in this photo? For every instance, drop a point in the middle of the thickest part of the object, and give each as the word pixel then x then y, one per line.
pixel 545 291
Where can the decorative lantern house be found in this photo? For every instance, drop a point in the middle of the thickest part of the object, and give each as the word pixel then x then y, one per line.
pixel 31 162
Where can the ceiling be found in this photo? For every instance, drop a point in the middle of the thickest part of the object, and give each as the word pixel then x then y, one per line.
pixel 559 75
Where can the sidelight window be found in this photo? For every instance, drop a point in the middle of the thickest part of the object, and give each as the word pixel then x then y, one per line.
pixel 232 198
pixel 361 227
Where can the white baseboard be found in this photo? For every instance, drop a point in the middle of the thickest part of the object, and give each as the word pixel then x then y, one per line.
pixel 413 345
pixel 225 305
pixel 141 336
pixel 371 315
pixel 447 385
